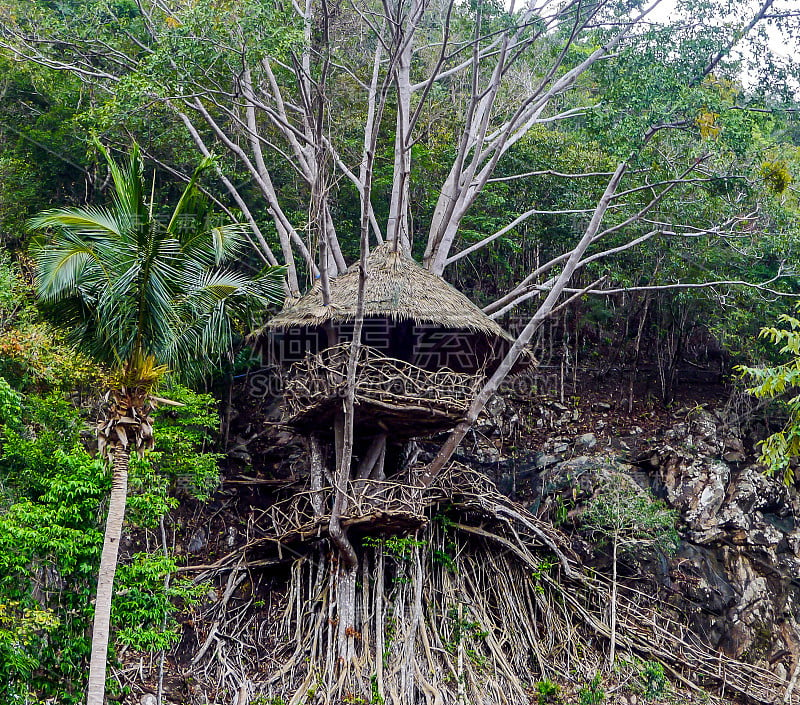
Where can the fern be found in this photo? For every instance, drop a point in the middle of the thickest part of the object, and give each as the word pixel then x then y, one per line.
pixel 780 381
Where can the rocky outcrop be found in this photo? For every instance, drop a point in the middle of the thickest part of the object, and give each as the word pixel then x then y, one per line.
pixel 739 565
pixel 736 575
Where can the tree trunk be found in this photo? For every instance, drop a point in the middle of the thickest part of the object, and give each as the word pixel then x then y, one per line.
pixel 428 475
pixel 317 475
pixel 613 646
pixel 105 579
pixel 637 352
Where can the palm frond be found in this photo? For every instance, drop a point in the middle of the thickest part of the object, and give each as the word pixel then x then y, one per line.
pixel 139 296
pixel 215 246
pixel 88 221
pixel 227 240
pixel 129 191
pixel 185 202
pixel 269 284
pixel 212 287
pixel 60 271
pixel 213 301
pixel 69 266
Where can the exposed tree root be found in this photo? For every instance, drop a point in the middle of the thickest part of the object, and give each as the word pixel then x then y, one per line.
pixel 434 622
pixel 473 608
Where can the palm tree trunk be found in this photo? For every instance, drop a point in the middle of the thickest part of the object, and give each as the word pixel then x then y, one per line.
pixel 105 579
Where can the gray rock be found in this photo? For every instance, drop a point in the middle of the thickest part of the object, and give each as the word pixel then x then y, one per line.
pixel 734 443
pixel 739 535
pixel 496 406
pixel 794 542
pixel 586 442
pixel 584 474
pixel 488 454
pixel 198 541
pixel 697 487
pixel 543 460
pixel 505 483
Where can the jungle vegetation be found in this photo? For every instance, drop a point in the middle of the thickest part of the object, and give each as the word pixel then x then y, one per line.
pixel 170 172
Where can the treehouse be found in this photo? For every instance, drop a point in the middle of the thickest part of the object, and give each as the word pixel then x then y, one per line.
pixel 426 349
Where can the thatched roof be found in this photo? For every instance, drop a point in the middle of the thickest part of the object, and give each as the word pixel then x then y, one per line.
pixel 397 288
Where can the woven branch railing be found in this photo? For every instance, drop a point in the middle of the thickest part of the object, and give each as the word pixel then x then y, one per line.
pixel 381 381
pixel 367 500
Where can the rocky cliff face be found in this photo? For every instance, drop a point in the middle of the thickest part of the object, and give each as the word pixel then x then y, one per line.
pixel 739 563
pixel 736 575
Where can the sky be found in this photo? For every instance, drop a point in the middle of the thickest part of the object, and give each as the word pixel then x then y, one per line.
pixel 781 43
pixel 666 11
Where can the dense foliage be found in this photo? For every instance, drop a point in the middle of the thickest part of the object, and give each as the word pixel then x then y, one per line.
pixel 781 450
pixel 52 493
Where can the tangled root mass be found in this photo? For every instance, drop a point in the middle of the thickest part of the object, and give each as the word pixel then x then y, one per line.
pixel 475 605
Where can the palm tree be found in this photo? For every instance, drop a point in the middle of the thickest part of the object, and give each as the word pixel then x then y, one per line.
pixel 145 297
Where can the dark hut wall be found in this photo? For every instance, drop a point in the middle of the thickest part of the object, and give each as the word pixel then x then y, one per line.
pixel 410 314
pixel 426 345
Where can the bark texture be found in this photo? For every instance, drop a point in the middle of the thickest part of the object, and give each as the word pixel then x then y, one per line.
pixel 105 579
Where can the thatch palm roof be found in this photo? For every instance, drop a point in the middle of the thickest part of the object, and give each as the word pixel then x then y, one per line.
pixel 397 289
